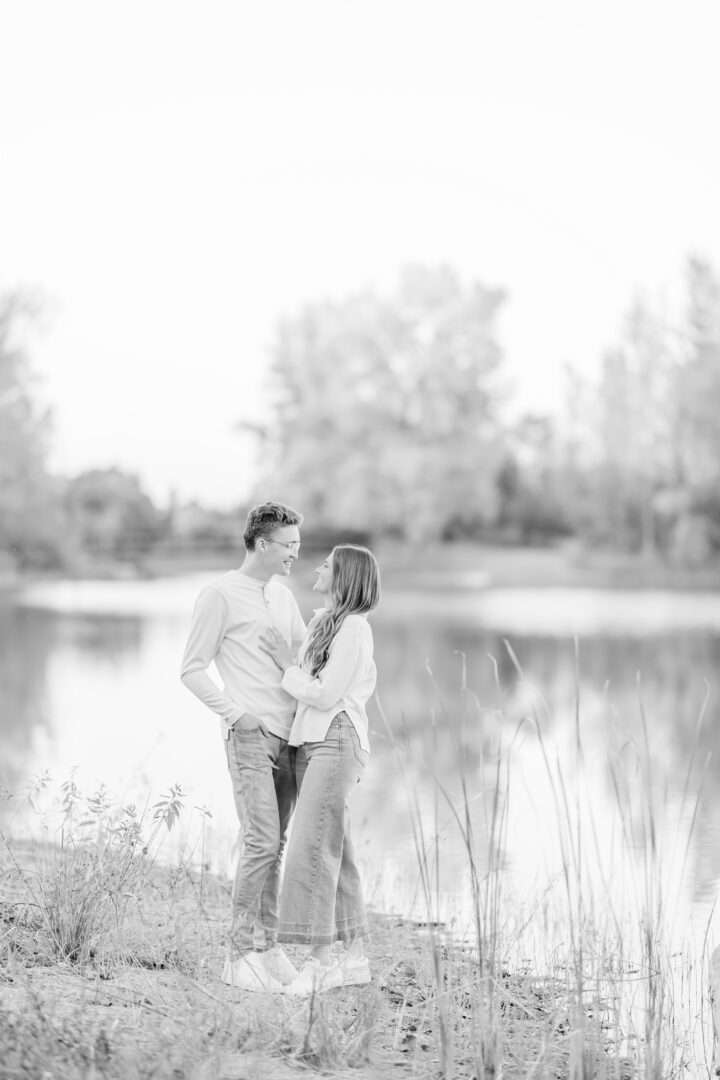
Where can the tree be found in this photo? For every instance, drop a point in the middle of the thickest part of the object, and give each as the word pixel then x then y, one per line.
pixel 636 426
pixel 110 514
pixel 652 469
pixel 692 503
pixel 531 483
pixel 619 443
pixel 697 382
pixel 386 409
pixel 29 502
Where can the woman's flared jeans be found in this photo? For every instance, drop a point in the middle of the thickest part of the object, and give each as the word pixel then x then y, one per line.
pixel 322 899
pixel 262 770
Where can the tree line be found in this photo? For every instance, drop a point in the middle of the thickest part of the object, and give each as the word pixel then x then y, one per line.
pixel 392 410
pixel 390 417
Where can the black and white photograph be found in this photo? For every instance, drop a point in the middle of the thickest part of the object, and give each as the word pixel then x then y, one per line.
pixel 359 540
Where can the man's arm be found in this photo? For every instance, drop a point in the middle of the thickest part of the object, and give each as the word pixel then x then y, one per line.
pixel 207 630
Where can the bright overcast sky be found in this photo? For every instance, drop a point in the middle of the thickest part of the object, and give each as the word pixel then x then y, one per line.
pixel 176 174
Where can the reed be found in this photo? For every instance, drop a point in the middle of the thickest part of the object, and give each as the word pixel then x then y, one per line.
pixel 585 973
pixel 585 977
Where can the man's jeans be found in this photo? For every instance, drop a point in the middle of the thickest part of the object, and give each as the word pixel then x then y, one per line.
pixel 262 770
pixel 322 898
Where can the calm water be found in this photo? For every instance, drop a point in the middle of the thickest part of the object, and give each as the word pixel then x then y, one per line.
pixel 88 680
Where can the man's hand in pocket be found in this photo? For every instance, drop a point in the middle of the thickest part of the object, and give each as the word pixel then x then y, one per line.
pixel 248 722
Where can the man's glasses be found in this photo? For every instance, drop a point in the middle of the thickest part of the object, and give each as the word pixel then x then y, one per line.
pixel 291 545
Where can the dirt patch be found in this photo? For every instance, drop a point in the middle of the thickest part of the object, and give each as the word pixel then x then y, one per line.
pixel 144 999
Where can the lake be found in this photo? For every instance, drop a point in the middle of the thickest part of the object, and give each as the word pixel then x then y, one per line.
pixel 89 682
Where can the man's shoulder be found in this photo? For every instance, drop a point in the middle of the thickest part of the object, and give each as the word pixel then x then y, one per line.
pixel 223 583
pixel 230 588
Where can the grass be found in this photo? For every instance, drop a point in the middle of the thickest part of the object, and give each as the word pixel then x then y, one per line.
pixel 110 953
pixel 590 974
pixel 93 867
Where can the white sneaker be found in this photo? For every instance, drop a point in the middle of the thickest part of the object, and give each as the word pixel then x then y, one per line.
pixel 356 970
pixel 278 966
pixel 248 973
pixel 316 978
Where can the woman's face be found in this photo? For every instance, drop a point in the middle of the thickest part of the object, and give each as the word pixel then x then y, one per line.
pixel 324 577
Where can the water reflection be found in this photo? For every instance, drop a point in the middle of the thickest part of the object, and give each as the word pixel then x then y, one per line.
pixel 27 644
pixel 89 678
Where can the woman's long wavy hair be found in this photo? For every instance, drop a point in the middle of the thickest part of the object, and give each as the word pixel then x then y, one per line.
pixel 354 589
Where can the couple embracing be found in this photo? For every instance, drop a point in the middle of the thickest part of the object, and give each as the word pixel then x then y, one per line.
pixel 292 710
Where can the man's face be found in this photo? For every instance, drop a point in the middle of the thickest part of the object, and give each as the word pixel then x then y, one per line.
pixel 280 549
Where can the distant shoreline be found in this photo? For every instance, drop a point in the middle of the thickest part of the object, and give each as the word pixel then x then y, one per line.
pixel 456 567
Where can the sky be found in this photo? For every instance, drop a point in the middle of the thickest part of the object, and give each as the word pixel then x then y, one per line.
pixel 177 175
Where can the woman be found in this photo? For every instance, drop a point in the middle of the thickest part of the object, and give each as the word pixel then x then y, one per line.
pixel 333 679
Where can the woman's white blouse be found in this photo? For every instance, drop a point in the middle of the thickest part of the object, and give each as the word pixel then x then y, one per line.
pixel 345 683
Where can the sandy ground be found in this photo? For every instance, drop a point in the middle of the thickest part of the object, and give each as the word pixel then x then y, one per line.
pixel 145 998
pixel 149 1001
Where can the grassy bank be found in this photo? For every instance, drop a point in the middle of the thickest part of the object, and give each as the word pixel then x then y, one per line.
pixel 145 1000
pixel 144 997
pixel 110 954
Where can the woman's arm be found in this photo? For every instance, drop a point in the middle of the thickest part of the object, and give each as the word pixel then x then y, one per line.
pixel 348 656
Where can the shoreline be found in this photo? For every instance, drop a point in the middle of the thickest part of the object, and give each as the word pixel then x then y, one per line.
pixel 451 568
pixel 145 997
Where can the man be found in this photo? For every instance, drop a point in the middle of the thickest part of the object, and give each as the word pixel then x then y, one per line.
pixel 256 715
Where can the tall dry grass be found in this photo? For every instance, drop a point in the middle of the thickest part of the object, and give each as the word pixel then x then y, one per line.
pixel 91 863
pixel 110 956
pixel 590 974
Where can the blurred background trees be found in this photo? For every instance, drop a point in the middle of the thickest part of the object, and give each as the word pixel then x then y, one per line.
pixel 30 513
pixel 695 516
pixel 111 516
pixel 387 409
pixel 657 409
pixel 391 415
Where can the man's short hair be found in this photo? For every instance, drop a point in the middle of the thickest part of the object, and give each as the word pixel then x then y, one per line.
pixel 263 520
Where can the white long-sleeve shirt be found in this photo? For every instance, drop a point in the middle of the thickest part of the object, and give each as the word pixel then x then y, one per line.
pixel 229 616
pixel 346 683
